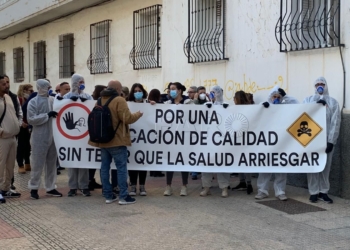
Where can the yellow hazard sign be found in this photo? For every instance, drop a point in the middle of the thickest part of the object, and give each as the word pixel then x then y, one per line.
pixel 304 129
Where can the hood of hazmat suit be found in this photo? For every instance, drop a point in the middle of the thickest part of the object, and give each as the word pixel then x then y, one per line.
pixel 75 90
pixel 287 99
pixel 333 116
pixel 219 95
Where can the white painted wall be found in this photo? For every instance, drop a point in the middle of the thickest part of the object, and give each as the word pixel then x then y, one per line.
pixel 255 63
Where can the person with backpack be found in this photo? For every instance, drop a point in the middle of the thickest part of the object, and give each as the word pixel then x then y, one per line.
pixel 114 146
pixel 78 177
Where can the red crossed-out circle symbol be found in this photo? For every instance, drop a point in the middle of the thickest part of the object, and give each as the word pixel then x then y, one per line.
pixel 59 118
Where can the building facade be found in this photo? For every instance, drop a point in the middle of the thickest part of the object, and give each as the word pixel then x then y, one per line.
pixel 239 45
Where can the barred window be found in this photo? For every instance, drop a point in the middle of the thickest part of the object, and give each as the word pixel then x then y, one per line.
pixel 18 65
pixel 206 31
pixel 146 51
pixel 2 63
pixel 39 60
pixel 66 55
pixel 308 24
pixel 99 61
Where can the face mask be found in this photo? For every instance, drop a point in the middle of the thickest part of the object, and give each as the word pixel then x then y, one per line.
pixel 320 90
pixel 82 86
pixel 276 101
pixel 26 96
pixel 138 95
pixel 173 93
pixel 202 96
pixel 211 95
pixel 50 91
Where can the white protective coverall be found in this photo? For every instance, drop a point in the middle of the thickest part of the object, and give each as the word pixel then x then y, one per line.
pixel 223 178
pixel 319 182
pixel 78 177
pixel 44 153
pixel 280 178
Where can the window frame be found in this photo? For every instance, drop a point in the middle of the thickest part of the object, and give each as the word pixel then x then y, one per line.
pixel 18 64
pixel 2 63
pixel 39 60
pixel 66 55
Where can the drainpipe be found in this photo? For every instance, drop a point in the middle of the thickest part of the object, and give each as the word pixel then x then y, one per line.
pixel 28 42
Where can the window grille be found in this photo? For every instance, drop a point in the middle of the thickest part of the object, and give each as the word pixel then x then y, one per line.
pixel 39 60
pixel 308 24
pixel 2 63
pixel 206 31
pixel 18 65
pixel 66 55
pixel 146 51
pixel 99 61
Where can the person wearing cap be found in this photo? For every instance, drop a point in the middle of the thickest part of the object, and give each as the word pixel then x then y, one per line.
pixel 318 183
pixel 276 96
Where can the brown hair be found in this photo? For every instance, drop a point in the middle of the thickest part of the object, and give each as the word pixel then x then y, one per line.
pixel 241 97
pixel 97 91
pixel 154 95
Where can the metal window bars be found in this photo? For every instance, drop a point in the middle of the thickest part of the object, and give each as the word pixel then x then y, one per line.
pixel 66 60
pixel 2 63
pixel 39 60
pixel 18 64
pixel 99 61
pixel 146 51
pixel 308 24
pixel 206 39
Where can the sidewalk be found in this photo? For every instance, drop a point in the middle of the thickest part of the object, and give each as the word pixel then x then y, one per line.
pixel 158 222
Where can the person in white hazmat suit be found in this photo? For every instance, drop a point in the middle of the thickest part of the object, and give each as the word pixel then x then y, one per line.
pixel 223 178
pixel 78 177
pixel 44 155
pixel 276 96
pixel 318 183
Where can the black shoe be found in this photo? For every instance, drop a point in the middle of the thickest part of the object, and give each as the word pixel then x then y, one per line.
pixel 313 198
pixel 54 193
pixel 241 186
pixel 61 168
pixel 325 198
pixel 58 172
pixel 2 199
pixel 13 187
pixel 34 194
pixel 72 193
pixel 85 192
pixel 10 194
pixel 158 174
pixel 249 189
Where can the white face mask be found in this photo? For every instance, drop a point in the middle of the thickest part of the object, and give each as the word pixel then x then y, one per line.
pixel 202 96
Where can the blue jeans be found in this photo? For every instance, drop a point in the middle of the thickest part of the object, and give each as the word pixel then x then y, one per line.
pixel 120 156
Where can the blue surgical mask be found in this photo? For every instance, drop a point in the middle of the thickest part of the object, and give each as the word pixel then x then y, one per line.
pixel 82 86
pixel 276 101
pixel 320 90
pixel 211 95
pixel 49 91
pixel 138 95
pixel 173 93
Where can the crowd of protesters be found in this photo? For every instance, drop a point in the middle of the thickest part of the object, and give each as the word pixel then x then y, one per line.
pixel 26 135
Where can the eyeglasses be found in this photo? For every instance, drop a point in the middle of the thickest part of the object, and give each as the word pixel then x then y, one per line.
pixel 190 92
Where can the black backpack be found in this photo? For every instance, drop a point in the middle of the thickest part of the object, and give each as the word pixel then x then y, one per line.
pixel 100 123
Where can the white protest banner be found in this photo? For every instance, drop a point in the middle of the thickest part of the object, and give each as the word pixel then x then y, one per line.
pixel 240 138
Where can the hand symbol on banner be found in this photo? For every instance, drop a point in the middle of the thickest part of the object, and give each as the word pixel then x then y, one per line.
pixel 69 120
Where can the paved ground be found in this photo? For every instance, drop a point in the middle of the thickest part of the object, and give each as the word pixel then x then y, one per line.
pixel 157 222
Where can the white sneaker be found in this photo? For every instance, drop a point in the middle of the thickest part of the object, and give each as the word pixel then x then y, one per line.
pixel 168 191
pixel 132 191
pixel 224 193
pixel 143 190
pixel 282 197
pixel 205 192
pixel 183 191
pixel 261 196
pixel 113 199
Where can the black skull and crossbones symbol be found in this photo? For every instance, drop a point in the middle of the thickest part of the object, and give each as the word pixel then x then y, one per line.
pixel 304 129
